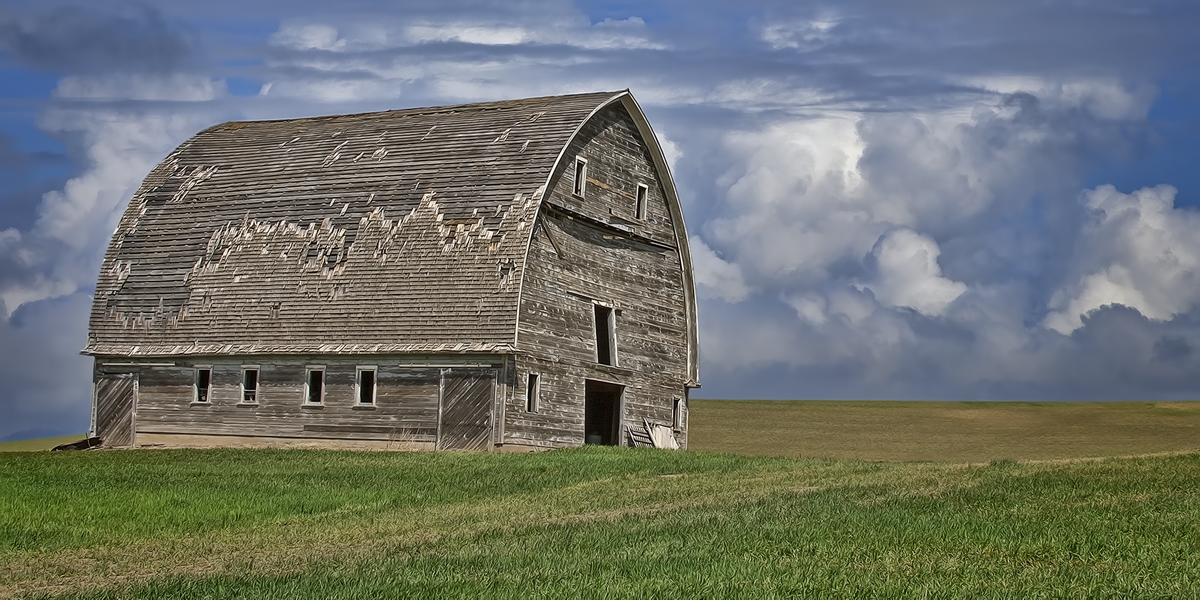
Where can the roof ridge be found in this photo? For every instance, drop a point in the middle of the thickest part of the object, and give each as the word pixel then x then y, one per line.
pixel 422 110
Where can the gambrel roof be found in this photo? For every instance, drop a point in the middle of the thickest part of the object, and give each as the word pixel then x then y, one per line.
pixel 391 232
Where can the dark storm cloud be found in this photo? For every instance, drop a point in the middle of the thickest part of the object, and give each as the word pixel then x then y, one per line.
pixel 46 381
pixel 80 39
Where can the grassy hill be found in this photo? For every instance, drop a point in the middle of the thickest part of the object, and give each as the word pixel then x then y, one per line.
pixel 591 522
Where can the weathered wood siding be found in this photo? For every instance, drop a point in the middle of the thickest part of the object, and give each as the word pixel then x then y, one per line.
pixel 114 397
pixel 466 411
pixel 592 250
pixel 406 408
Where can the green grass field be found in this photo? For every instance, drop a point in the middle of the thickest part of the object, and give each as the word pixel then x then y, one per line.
pixel 615 522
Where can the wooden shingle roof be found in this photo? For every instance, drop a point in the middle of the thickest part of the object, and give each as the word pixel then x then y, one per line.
pixel 391 232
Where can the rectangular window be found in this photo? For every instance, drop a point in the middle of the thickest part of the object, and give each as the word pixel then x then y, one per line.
pixel 639 206
pixel 249 385
pixel 531 393
pixel 677 415
pixel 314 386
pixel 580 176
pixel 366 385
pixel 606 348
pixel 203 384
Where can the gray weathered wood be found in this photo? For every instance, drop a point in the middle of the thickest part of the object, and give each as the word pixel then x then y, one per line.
pixel 466 413
pixel 115 397
pixel 443 247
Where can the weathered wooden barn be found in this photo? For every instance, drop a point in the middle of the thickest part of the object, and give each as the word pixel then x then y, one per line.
pixel 506 275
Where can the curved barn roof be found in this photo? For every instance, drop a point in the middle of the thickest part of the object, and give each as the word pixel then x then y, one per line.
pixel 397 231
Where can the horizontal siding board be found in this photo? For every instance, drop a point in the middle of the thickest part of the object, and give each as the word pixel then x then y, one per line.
pixel 406 408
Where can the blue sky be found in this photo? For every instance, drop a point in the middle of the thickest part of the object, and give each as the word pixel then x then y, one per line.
pixel 933 199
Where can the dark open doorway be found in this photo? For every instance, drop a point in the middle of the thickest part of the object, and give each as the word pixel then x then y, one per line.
pixel 602 413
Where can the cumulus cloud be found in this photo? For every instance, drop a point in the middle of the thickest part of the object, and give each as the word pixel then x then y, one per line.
pixel 117 108
pixel 872 215
pixel 1138 251
pixel 47 384
pixel 909 275
pixel 715 277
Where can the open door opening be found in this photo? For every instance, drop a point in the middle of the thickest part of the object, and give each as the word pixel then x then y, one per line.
pixel 602 413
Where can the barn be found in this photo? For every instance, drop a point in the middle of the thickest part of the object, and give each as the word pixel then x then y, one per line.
pixel 496 276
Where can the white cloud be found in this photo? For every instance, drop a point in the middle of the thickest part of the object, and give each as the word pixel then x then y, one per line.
pixel 1104 98
pixel 333 90
pixel 803 34
pixel 608 34
pixel 554 28
pixel 670 150
pixel 308 37
pixel 174 87
pixel 715 277
pixel 794 199
pixel 909 275
pixel 1140 252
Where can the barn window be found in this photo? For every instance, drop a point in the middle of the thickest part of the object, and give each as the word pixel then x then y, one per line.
pixel 677 415
pixel 314 385
pixel 639 205
pixel 249 385
pixel 606 346
pixel 203 384
pixel 532 390
pixel 365 384
pixel 580 176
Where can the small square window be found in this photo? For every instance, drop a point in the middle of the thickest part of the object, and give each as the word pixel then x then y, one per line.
pixel 249 385
pixel 365 384
pixel 203 384
pixel 314 386
pixel 532 390
pixel 639 205
pixel 580 176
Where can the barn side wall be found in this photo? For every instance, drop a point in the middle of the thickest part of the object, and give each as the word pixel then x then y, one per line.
pixel 405 414
pixel 580 255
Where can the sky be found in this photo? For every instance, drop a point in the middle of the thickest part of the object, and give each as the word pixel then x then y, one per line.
pixel 885 200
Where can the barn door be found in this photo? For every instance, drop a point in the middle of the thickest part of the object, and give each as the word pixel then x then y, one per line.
pixel 465 421
pixel 115 399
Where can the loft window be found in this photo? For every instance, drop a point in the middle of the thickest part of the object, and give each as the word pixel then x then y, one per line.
pixel 249 385
pixel 580 176
pixel 365 384
pixel 203 384
pixel 639 205
pixel 677 415
pixel 314 386
pixel 606 347
pixel 532 390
